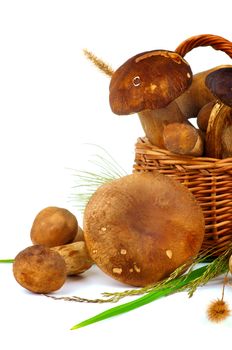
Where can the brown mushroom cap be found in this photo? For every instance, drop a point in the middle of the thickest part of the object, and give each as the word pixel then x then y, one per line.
pixel 219 83
pixel 39 269
pixel 149 80
pixel 140 228
pixel 54 226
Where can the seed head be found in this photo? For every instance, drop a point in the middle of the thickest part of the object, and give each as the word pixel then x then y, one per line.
pixel 218 310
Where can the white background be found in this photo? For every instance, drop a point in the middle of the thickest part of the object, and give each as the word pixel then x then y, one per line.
pixel 52 102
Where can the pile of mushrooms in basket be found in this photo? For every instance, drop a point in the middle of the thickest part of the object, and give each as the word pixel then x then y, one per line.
pixel 140 228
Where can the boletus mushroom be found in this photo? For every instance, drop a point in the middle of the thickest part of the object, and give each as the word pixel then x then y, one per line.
pixel 43 270
pixel 148 84
pixel 39 269
pixel 141 227
pixel 149 80
pixel 219 129
pixel 54 226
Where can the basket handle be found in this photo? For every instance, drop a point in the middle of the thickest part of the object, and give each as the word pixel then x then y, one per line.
pixel 217 42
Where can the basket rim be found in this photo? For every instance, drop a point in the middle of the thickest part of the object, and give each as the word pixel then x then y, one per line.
pixel 144 147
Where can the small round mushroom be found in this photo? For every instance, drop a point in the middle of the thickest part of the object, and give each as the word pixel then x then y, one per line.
pixel 141 227
pixel 39 269
pixel 54 226
pixel 183 138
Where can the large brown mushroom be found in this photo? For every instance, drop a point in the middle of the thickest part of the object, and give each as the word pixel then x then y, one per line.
pixel 140 228
pixel 149 80
pixel 148 84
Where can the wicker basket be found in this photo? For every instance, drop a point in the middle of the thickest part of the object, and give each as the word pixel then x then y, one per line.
pixel 209 180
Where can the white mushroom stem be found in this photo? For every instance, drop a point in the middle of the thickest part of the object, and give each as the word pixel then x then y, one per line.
pixel 203 116
pixel 153 122
pixel 197 95
pixel 219 132
pixel 76 257
pixel 168 128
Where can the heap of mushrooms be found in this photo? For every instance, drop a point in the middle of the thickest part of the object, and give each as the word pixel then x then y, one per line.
pixel 44 266
pixel 160 87
pixel 137 229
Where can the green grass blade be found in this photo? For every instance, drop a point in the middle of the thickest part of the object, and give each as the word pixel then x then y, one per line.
pixel 148 298
pixel 6 261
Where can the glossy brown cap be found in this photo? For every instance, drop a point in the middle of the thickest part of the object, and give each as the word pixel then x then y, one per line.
pixel 54 226
pixel 140 228
pixel 219 83
pixel 149 80
pixel 39 269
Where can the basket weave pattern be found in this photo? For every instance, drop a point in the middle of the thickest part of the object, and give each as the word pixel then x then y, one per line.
pixel 208 179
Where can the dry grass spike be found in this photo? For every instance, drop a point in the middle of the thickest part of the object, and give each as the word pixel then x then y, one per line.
pixel 100 64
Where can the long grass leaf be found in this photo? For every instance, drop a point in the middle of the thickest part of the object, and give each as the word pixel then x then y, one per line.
pixel 148 298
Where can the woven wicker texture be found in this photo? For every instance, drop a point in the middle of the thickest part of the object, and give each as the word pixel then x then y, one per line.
pixel 209 180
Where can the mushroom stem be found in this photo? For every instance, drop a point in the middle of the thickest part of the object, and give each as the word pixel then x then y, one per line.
pixel 197 95
pixel 76 257
pixel 153 122
pixel 203 116
pixel 168 128
pixel 219 132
